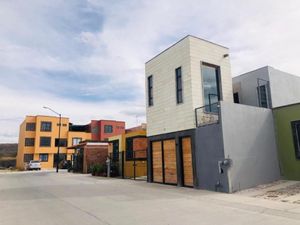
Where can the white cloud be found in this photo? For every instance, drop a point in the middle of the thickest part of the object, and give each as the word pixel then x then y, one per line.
pixel 53 35
pixel 15 106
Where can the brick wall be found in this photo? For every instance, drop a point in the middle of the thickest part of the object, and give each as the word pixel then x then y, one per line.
pixel 94 155
pixel 140 147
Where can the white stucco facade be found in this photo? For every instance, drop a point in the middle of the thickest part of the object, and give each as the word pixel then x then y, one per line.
pixel 166 115
pixel 284 88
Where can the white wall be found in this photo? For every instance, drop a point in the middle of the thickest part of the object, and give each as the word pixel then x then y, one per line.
pixel 166 115
pixel 249 140
pixel 203 51
pixel 246 85
pixel 285 88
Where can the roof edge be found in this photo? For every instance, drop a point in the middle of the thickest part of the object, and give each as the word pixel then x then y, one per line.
pixel 187 36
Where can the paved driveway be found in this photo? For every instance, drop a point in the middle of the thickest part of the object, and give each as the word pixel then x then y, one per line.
pixel 41 198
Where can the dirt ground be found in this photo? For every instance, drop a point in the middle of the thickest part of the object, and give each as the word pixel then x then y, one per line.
pixel 283 190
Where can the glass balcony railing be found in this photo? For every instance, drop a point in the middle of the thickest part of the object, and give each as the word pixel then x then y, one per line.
pixel 208 114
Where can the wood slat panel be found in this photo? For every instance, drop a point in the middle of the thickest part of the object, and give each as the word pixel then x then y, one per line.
pixel 157 161
pixel 170 161
pixel 187 161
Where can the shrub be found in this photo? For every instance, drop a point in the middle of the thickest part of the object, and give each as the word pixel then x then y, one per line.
pixel 98 169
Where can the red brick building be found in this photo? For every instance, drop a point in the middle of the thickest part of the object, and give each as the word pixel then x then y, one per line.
pixel 103 129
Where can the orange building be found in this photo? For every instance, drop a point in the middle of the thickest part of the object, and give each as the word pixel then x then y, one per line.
pixel 38 140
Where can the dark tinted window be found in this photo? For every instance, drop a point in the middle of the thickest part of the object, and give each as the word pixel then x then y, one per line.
pixel 262 96
pixel 236 98
pixel 30 126
pixel 178 77
pixel 44 157
pixel 129 148
pixel 115 154
pixel 108 128
pixel 296 137
pixel 63 142
pixel 150 90
pixel 46 126
pixel 45 141
pixel 28 157
pixel 29 141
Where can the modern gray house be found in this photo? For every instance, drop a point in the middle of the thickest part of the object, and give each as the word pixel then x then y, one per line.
pixel 197 135
pixel 266 87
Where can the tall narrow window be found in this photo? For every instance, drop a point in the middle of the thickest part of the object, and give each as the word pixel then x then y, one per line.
pixel 262 96
pixel 296 137
pixel 178 76
pixel 150 90
pixel 129 149
pixel 115 152
pixel 211 86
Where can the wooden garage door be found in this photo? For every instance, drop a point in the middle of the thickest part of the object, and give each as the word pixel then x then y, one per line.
pixel 187 161
pixel 157 162
pixel 170 161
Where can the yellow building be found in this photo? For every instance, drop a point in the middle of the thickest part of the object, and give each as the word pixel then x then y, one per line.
pixel 38 140
pixel 130 150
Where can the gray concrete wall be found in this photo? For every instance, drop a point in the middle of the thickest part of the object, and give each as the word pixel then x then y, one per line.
pixel 285 88
pixel 249 141
pixel 208 151
pixel 246 85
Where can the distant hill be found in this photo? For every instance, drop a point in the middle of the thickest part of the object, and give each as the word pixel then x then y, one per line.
pixel 8 150
pixel 8 153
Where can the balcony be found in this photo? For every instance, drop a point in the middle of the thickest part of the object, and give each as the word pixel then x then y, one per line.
pixel 207 115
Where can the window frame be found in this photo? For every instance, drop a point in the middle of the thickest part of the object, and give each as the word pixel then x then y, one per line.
pixel 218 79
pixel 65 141
pixel 179 90
pixel 115 149
pixel 150 90
pixel 26 156
pixel 30 126
pixel 109 131
pixel 31 141
pixel 43 129
pixel 259 91
pixel 44 154
pixel 296 137
pixel 76 138
pixel 45 146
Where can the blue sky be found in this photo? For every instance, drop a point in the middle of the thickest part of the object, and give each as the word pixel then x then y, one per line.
pixel 85 58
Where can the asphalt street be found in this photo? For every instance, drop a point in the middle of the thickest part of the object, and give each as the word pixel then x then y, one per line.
pixel 38 198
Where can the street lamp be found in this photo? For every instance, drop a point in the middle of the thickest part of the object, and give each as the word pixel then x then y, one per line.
pixel 58 146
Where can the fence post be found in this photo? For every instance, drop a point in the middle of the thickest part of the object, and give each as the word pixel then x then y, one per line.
pixel 123 164
pixel 134 166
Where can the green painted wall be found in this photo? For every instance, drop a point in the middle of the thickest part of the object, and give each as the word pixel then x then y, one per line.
pixel 289 164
